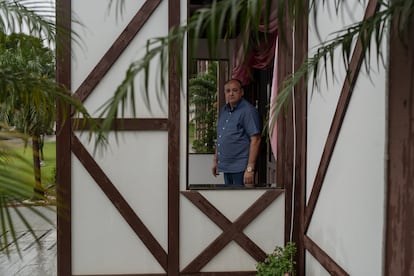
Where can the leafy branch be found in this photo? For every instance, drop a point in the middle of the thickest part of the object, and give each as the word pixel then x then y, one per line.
pixel 37 17
pixel 369 30
pixel 223 19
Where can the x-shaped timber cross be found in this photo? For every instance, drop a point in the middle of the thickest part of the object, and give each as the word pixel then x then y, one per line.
pixel 231 231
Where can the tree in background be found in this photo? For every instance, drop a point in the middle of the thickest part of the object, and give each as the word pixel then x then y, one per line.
pixel 28 113
pixel 222 19
pixel 203 103
pixel 30 95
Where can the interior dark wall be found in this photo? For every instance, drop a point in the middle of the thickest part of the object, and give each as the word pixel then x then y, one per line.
pixel 257 94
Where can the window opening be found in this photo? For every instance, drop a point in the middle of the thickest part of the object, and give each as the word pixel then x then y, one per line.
pixel 206 78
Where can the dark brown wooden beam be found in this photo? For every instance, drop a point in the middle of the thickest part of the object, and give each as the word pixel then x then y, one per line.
pixel 284 160
pixel 323 258
pixel 63 139
pixel 145 274
pixel 174 98
pixel 129 124
pixel 227 273
pixel 342 106
pixel 120 44
pixel 300 125
pixel 224 223
pixel 399 237
pixel 119 202
pixel 231 230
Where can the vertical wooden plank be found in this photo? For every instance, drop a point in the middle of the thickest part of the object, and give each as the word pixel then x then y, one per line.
pixel 63 141
pixel 399 245
pixel 300 125
pixel 284 133
pixel 173 145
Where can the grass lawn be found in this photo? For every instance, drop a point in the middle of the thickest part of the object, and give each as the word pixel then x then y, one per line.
pixel 48 171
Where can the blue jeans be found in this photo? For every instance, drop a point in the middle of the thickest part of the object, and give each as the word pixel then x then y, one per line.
pixel 234 179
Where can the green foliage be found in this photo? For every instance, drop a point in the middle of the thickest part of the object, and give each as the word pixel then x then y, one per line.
pixel 28 93
pixel 26 159
pixel 29 112
pixel 35 16
pixel 371 32
pixel 222 19
pixel 203 99
pixel 27 108
pixel 279 262
pixel 16 185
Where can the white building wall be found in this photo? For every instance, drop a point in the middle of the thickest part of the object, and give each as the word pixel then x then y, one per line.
pixel 98 30
pixel 135 162
pixel 348 222
pixel 197 231
pixel 102 241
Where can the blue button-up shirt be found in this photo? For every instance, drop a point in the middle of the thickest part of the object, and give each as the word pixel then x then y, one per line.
pixel 234 129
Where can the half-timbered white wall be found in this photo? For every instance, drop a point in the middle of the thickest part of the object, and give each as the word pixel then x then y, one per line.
pixel 136 162
pixel 348 222
pixel 102 240
pixel 197 231
pixel 98 30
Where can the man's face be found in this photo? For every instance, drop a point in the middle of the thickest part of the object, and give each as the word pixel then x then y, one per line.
pixel 233 92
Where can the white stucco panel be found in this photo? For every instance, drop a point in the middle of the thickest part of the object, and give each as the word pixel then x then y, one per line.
pixel 106 27
pixel 139 171
pixel 99 242
pixel 313 267
pixel 349 216
pixel 97 31
pixel 322 100
pixel 198 231
pixel 348 220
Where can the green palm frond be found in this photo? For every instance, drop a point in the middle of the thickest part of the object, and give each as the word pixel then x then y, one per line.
pixel 28 96
pixel 216 22
pixel 222 19
pixel 37 18
pixel 371 32
pixel 16 185
pixel 33 16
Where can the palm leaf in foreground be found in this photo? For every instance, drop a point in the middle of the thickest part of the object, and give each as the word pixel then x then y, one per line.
pixel 371 31
pixel 245 15
pixel 16 185
pixel 33 16
pixel 217 22
pixel 37 18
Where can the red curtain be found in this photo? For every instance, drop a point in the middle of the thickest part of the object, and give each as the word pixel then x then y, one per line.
pixel 262 54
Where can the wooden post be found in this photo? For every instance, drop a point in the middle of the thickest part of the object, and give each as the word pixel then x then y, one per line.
pixel 399 245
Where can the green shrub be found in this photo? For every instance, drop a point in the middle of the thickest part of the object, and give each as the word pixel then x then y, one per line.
pixel 279 262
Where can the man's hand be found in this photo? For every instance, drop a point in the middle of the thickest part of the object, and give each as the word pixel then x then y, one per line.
pixel 214 169
pixel 248 178
pixel 254 148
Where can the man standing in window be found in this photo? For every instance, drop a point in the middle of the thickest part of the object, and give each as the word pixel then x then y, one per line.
pixel 238 138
